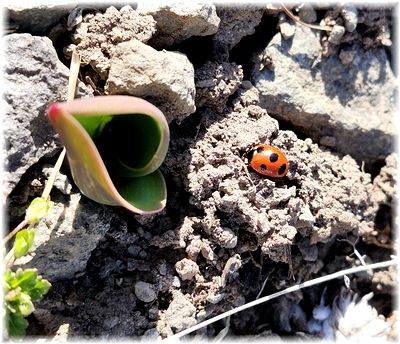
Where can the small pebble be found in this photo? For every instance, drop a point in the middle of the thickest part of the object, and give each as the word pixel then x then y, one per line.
pixel 347 56
pixel 349 13
pixel 307 14
pixel 140 232
pixel 336 34
pixel 162 269
pixel 187 269
pixel 148 235
pixel 176 282
pixel 145 291
pixel 287 30
pixel 215 298
pixel 134 250
pixel 142 254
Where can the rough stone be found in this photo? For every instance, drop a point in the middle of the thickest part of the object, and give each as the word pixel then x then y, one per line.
pixel 33 78
pixel 164 78
pixel 66 237
pixel 98 35
pixel 176 23
pixel 215 82
pixel 236 22
pixel 353 103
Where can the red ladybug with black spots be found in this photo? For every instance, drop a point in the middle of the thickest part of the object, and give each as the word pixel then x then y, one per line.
pixel 268 161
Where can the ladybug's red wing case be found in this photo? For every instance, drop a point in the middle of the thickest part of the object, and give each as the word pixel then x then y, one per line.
pixel 268 161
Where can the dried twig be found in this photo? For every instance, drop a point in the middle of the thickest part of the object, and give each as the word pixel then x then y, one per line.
pixel 298 20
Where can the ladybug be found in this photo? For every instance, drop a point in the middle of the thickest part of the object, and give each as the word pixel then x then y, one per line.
pixel 268 161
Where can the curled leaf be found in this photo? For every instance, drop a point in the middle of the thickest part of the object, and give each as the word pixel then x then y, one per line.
pixel 115 145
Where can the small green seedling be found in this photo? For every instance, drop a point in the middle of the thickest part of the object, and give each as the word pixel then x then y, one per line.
pixel 21 289
pixel 115 145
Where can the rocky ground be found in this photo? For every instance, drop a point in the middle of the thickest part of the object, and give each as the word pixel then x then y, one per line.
pixel 226 78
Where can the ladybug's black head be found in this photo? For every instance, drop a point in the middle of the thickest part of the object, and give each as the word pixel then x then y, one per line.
pixel 250 155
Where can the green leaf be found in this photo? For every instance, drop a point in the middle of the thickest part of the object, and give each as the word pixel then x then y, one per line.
pixel 111 139
pixel 38 209
pixel 15 325
pixel 28 282
pixel 7 279
pixel 24 304
pixel 41 288
pixel 23 242
pixel 26 278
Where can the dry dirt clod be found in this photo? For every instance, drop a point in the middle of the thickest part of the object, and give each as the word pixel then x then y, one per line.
pixel 96 37
pixel 187 269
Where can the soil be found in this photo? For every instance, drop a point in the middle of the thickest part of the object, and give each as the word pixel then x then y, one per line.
pixel 227 235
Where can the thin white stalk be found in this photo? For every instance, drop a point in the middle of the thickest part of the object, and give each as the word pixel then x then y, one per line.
pixel 73 75
pixel 291 289
pixel 73 78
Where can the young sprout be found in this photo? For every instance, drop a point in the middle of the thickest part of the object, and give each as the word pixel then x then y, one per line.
pixel 115 145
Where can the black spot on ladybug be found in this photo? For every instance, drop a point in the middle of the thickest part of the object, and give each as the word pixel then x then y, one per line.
pixel 263 167
pixel 273 157
pixel 282 169
pixel 260 149
pixel 250 155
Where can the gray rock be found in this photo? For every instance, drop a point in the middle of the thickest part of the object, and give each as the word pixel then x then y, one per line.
pixel 164 78
pixel 176 23
pixel 33 78
pixel 349 13
pixel 215 83
pixel 236 22
pixel 180 313
pixel 307 13
pixel 353 103
pixel 145 292
pixel 66 237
